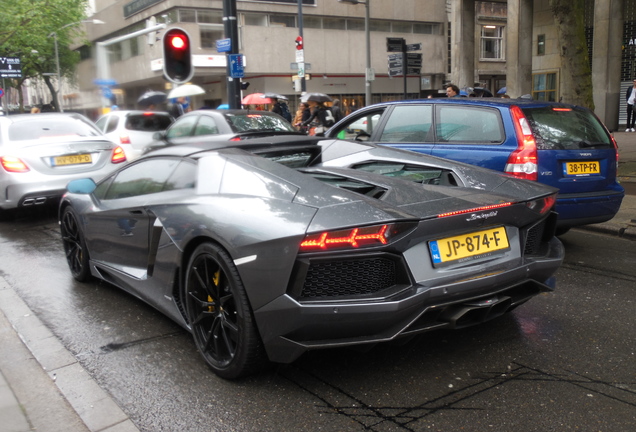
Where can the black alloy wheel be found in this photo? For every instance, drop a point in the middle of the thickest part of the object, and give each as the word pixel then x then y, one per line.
pixel 74 245
pixel 219 314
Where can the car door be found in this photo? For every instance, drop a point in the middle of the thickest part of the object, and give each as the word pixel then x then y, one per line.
pixel 358 126
pixel 121 231
pixel 472 134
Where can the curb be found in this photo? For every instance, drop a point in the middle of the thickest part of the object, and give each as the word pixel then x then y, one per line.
pixel 52 391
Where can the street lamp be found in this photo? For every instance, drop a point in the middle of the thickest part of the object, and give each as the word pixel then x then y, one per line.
pixel 57 55
pixel 368 75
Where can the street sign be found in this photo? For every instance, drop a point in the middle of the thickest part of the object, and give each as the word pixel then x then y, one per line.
pixel 394 44
pixel 395 72
pixel 395 57
pixel 224 45
pixel 105 82
pixel 236 66
pixel 414 47
pixel 395 64
pixel 412 71
pixel 414 60
pixel 10 67
pixel 294 66
pixel 301 70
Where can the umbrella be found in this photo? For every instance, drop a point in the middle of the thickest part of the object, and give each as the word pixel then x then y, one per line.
pixel 502 90
pixel 317 97
pixel 275 96
pixel 256 99
pixel 482 92
pixel 185 90
pixel 152 98
pixel 223 106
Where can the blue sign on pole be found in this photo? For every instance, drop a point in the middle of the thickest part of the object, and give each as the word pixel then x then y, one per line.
pixel 236 66
pixel 224 45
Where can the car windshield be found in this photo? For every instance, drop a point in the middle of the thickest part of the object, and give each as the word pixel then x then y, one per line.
pixel 147 122
pixel 48 127
pixel 562 128
pixel 256 121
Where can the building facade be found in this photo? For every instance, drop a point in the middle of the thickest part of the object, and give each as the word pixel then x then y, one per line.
pixel 334 48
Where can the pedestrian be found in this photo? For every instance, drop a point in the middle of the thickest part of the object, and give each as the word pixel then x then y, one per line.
pixel 281 109
pixel 177 107
pixel 630 96
pixel 35 110
pixel 302 114
pixel 452 91
pixel 320 120
pixel 336 110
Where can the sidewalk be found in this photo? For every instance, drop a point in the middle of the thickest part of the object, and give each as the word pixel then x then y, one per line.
pixel 624 223
pixel 42 386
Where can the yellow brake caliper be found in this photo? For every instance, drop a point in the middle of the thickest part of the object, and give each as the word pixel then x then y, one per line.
pixel 215 279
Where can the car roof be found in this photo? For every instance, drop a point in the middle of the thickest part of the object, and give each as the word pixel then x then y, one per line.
pixel 191 150
pixel 40 116
pixel 123 113
pixel 478 101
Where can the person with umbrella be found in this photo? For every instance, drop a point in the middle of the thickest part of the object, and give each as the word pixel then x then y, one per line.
pixel 321 117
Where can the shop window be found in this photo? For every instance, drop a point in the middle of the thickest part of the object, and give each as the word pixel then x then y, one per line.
pixel 334 23
pixel 209 17
pixel 492 43
pixel 544 86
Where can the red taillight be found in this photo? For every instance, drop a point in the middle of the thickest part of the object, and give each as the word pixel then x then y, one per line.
pixel 522 162
pixel 235 139
pixel 124 139
pixel 353 238
pixel 542 205
pixel 12 164
pixel 119 155
pixel 476 209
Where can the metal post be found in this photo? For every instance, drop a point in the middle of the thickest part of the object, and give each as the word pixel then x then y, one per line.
pixel 368 72
pixel 59 77
pixel 303 82
pixel 231 32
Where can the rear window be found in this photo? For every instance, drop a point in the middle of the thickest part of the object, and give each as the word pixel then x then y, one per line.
pixel 147 122
pixel 258 122
pixel 55 126
pixel 566 128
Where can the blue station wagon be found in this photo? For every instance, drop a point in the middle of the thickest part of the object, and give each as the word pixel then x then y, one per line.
pixel 564 146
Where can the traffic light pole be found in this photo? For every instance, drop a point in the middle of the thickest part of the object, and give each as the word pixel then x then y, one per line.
pixel 303 83
pixel 231 32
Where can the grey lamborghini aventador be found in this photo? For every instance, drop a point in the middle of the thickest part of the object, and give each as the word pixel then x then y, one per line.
pixel 266 248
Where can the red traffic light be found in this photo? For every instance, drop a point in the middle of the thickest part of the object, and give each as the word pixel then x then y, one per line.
pixel 177 56
pixel 299 43
pixel 178 42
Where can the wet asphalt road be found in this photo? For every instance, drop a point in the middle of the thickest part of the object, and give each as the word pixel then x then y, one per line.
pixel 563 361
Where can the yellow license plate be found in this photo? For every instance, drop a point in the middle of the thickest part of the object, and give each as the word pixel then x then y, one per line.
pixel 72 160
pixel 468 246
pixel 582 168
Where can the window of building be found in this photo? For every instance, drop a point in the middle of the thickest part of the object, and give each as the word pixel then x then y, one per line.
pixel 427 28
pixel 334 23
pixel 400 27
pixel 312 22
pixel 492 43
pixel 187 15
pixel 210 17
pixel 541 44
pixel 544 86
pixel 210 34
pixel 355 24
pixel 253 19
pixel 282 21
pixel 380 26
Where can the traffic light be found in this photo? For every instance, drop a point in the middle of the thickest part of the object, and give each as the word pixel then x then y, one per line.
pixel 177 56
pixel 299 43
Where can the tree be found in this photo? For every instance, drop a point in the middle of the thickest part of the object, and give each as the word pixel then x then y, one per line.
pixel 26 29
pixel 576 82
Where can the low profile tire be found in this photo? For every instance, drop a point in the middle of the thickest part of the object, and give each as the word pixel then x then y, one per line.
pixel 219 314
pixel 74 245
pixel 561 231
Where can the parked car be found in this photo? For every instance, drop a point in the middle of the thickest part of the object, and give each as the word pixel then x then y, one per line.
pixel 268 247
pixel 41 153
pixel 133 130
pixel 224 124
pixel 560 145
